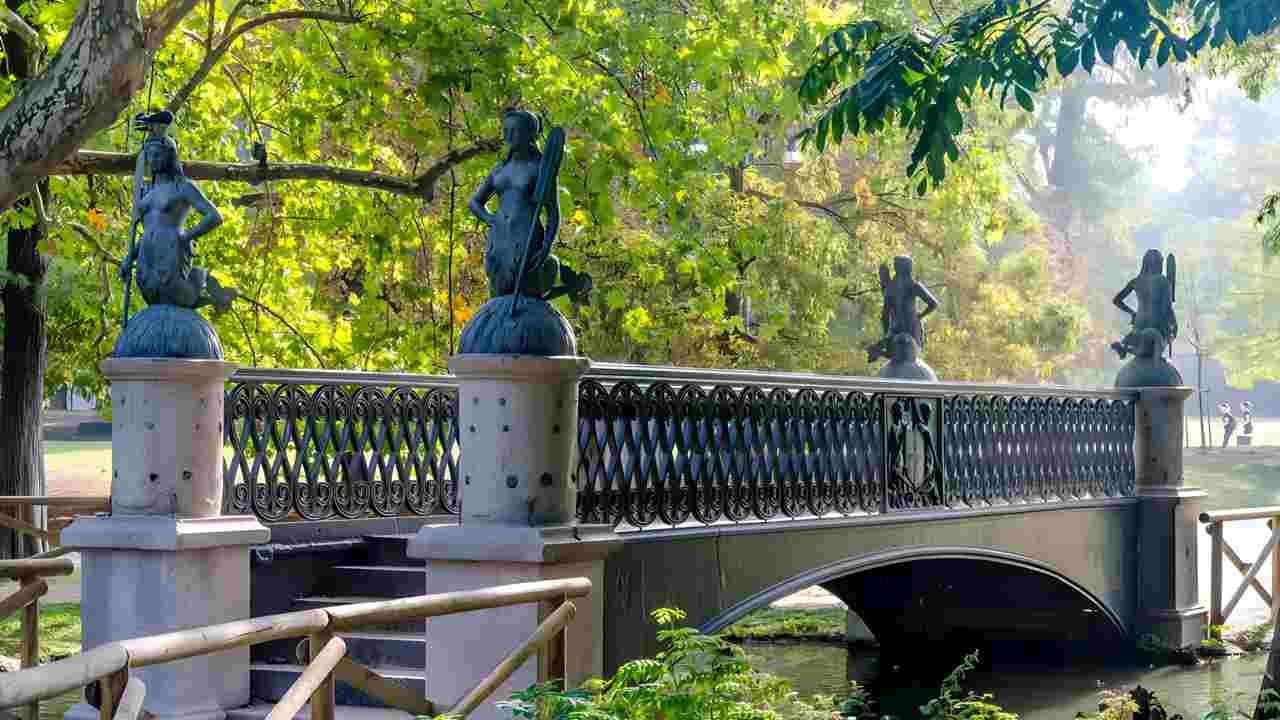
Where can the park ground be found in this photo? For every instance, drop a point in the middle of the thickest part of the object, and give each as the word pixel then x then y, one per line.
pixel 1234 477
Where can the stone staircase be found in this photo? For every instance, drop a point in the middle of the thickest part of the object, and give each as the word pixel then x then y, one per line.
pixel 396 651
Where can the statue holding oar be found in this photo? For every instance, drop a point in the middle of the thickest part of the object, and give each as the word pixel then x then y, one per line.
pixel 163 257
pixel 518 319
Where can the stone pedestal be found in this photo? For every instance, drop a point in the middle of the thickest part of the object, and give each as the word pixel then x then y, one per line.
pixel 1168 581
pixel 518 417
pixel 165 559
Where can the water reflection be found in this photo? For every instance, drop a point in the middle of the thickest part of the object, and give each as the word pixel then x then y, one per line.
pixel 1035 693
pixel 1042 693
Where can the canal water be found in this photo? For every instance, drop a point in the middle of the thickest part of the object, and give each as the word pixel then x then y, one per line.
pixel 1039 692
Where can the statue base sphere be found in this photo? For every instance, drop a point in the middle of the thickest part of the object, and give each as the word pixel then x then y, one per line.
pixel 904 361
pixel 1148 372
pixel 168 331
pixel 914 369
pixel 536 329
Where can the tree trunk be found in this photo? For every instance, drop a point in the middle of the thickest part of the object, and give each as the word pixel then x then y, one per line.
pixel 22 382
pixel 23 365
pixel 95 72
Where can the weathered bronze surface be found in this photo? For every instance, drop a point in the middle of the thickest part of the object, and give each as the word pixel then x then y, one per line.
pixel 522 271
pixel 1155 325
pixel 170 283
pixel 901 327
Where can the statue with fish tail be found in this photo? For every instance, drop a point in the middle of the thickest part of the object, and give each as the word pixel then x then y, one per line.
pixel 161 261
pixel 519 319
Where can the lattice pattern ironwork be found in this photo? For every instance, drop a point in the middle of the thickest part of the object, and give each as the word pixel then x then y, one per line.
pixel 671 452
pixel 324 451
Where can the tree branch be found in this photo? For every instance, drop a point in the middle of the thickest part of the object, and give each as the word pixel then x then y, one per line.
pixel 291 328
pixel 164 21
pixel 19 27
pixel 214 56
pixel 89 162
pixel 92 239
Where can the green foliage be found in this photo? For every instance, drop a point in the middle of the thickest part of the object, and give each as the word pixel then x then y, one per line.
pixel 1003 48
pixel 716 257
pixel 953 703
pixel 1269 218
pixel 696 676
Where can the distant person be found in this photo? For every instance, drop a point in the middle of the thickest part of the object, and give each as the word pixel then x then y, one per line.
pixel 1246 415
pixel 1228 422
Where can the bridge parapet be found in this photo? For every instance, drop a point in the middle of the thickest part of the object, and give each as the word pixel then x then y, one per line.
pixel 672 446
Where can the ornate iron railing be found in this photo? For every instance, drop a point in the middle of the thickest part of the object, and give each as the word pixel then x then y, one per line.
pixel 675 445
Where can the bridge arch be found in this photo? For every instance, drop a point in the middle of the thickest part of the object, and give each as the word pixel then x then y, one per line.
pixel 897 556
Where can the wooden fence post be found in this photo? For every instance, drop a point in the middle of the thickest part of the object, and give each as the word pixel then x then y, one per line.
pixel 323 700
pixel 1215 577
pixel 1275 574
pixel 31 639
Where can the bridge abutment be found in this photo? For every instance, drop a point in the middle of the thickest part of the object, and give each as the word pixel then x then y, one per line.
pixel 1168 582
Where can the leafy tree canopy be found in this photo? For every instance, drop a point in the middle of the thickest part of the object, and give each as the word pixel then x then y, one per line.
pixel 868 75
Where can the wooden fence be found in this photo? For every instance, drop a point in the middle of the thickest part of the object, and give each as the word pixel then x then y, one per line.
pixel 104 670
pixel 1220 550
pixel 21 518
pixel 30 574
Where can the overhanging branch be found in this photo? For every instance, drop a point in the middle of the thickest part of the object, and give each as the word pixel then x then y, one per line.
pixel 19 27
pixel 88 162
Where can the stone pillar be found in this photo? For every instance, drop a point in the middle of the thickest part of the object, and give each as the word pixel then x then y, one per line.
pixel 165 558
pixel 1168 584
pixel 518 417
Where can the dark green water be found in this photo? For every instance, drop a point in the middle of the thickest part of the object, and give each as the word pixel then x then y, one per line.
pixel 1035 693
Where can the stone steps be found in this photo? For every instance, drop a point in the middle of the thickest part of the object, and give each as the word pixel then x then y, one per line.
pixel 397 651
pixel 271 682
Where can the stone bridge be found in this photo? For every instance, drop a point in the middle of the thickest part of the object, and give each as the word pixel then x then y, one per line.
pixel 1039 576
pixel 947 516
pixel 956 514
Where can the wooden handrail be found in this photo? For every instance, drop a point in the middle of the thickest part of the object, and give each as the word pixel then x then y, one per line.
pixel 352 617
pixel 1256 513
pixel 76 501
pixel 309 681
pixel 31 567
pixel 544 632
pixel 110 663
pixel 48 681
pixel 25 595
pixel 181 644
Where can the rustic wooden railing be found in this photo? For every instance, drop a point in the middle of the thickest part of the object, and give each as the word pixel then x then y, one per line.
pixel 1220 549
pixel 21 519
pixel 104 670
pixel 30 574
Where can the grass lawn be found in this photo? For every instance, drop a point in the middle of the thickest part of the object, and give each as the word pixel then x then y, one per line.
pixel 774 623
pixel 59 632
pixel 78 467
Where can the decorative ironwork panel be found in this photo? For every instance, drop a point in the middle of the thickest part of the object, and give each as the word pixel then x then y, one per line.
pixel 664 452
pixel 326 450
pixel 1000 450
pixel 659 446
pixel 915 470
